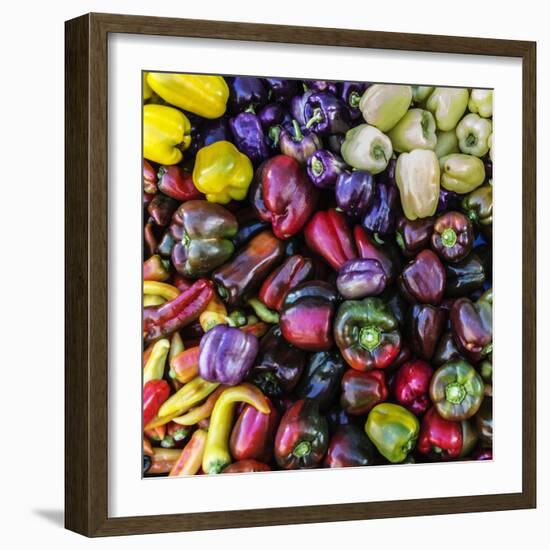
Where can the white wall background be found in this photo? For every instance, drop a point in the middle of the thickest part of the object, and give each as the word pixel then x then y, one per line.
pixel 31 391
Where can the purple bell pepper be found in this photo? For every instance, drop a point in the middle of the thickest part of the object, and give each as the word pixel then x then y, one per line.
pixel 283 89
pixel 326 114
pixel 380 217
pixel 227 354
pixel 249 137
pixel 334 142
pixel 297 143
pixel 324 167
pixel 246 92
pixel 350 93
pixel 360 277
pixel 388 175
pixel 322 86
pixel 273 114
pixel 448 200
pixel 298 104
pixel 354 192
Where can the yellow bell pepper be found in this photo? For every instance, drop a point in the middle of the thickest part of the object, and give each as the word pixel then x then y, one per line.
pixel 222 172
pixel 203 95
pixel 166 133
pixel 147 92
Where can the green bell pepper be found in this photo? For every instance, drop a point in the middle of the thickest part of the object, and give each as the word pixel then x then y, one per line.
pixel 448 106
pixel 456 390
pixel 367 334
pixel 421 93
pixel 393 430
pixel 367 148
pixel 461 173
pixel 481 102
pixel 473 134
pixel 447 143
pixel 383 105
pixel 416 130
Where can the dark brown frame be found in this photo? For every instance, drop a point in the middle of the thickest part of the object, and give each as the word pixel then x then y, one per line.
pixel 86 273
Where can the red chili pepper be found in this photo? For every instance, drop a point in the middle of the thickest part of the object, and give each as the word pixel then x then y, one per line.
pixel 185 366
pixel 328 234
pixel 293 271
pixel 161 320
pixel 155 393
pixel 175 182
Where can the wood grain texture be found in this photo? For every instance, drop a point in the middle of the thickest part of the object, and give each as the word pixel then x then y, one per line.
pixel 86 256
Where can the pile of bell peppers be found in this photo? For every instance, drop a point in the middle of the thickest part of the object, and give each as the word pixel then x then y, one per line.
pixel 317 276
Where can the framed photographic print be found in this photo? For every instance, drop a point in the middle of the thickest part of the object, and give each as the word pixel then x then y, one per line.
pixel 319 246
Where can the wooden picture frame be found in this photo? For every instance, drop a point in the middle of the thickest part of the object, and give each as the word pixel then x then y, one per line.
pixel 86 317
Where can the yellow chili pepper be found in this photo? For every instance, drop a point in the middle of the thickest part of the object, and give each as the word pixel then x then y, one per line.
pixel 222 172
pixel 203 95
pixel 163 460
pixel 216 454
pixel 166 133
pixel 196 414
pixel 190 459
pixel 190 395
pixel 154 368
pixel 164 290
pixel 176 346
pixel 152 300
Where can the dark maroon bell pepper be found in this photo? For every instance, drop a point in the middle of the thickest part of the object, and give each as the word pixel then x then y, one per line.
pixel 175 182
pixel 354 192
pixel 297 106
pixel 369 249
pixel 279 365
pixel 306 318
pixel 226 355
pixel 283 89
pixel 423 279
pixel 328 234
pixel 412 236
pixel 411 386
pixel 383 210
pixel 361 391
pixel 247 92
pixel 425 326
pixel 361 277
pixel 448 200
pixel 326 114
pixel 253 434
pixel 161 209
pixel 349 446
pixel 446 350
pixel 249 137
pixel 302 437
pixel 324 167
pixel 445 439
pixel 297 143
pixel 293 271
pixel 453 236
pixel 149 179
pixel 283 195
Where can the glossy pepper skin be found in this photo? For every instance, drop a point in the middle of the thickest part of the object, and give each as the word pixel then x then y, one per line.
pixel 367 334
pixel 328 234
pixel 326 114
pixel 293 271
pixel 278 366
pixel 350 93
pixel 149 179
pixel 383 105
pixel 393 430
pixel 382 212
pixel 175 314
pixel 366 148
pixel 247 91
pixel 210 132
pixel 349 446
pixel 445 439
pixel 453 236
pixel 155 269
pixel 423 279
pixel 155 393
pixel 321 378
pixel 249 137
pixel 448 106
pixel 446 350
pixel 297 143
pixel 226 355
pixel 478 206
pixel 473 134
pixel 253 434
pixel 247 231
pixel 484 423
pixel 202 233
pixel 465 276
pixel 360 277
pixel 237 279
pixel 203 95
pixel 456 390
pixel 426 324
pixel 284 195
pixel 161 209
pixel 416 130
pixel 411 386
pixel 283 89
pixel 307 314
pixel 222 173
pixel 178 184
pixel 472 326
pixel 361 391
pixel 461 173
pixel 302 437
pixel 166 133
pixel 413 235
pixel 367 248
pixel 354 192
pixel 324 167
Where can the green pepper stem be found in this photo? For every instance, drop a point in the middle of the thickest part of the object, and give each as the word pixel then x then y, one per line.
pixel 185 239
pixel 378 153
pixel 222 291
pixel 448 237
pixel 399 240
pixel 487 349
pixel 354 99
pixel 369 337
pixel 316 166
pixel 471 140
pixel 250 109
pixel 274 133
pixel 455 393
pixel 263 312
pixel 298 136
pixel 302 449
pixel 317 117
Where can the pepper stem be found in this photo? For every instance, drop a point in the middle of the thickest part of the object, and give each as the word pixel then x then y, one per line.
pixel 222 291
pixel 302 449
pixel 354 99
pixel 487 350
pixel 250 109
pixel 399 240
pixel 317 117
pixel 448 237
pixel 378 153
pixel 369 338
pixel 316 166
pixel 273 134
pixel 185 239
pixel 298 136
pixel 471 140
pixel 472 215
pixel 455 393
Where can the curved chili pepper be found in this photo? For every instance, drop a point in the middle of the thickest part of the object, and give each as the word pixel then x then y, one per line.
pixel 190 459
pixel 155 393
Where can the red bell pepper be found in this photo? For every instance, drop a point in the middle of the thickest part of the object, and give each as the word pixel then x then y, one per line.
pixel 368 249
pixel 175 182
pixel 328 234
pixel 149 179
pixel 361 391
pixel 412 384
pixel 155 393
